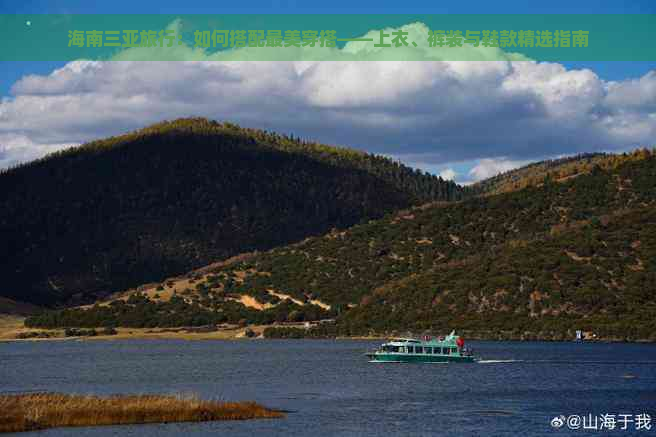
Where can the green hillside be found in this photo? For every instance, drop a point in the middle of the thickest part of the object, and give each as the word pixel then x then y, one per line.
pixel 558 170
pixel 344 266
pixel 552 257
pixel 178 195
pixel 599 278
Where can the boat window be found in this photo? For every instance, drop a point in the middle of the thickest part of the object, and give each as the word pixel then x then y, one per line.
pixel 402 349
pixel 410 349
pixel 445 350
pixel 453 350
pixel 429 350
pixel 419 350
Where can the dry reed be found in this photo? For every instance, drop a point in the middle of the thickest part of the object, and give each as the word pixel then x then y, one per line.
pixel 26 412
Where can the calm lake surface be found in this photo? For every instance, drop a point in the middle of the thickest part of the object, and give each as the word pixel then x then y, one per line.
pixel 330 388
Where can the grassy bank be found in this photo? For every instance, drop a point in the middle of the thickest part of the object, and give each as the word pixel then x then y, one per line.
pixel 13 329
pixel 26 412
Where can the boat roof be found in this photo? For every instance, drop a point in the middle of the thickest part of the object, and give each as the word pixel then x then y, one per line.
pixel 449 339
pixel 405 340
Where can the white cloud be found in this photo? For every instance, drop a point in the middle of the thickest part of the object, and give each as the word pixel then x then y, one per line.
pixel 16 148
pixel 633 94
pixel 437 111
pixel 448 174
pixel 491 167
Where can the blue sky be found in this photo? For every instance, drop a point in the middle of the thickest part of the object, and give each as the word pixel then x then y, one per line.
pixel 627 110
pixel 12 71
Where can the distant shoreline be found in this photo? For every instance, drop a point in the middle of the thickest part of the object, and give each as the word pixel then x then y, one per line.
pixel 11 329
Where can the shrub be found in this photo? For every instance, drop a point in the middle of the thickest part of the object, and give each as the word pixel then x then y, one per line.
pixel 109 331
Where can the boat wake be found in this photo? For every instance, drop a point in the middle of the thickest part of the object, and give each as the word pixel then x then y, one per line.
pixel 405 362
pixel 568 362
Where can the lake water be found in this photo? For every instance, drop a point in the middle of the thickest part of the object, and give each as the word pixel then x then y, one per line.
pixel 330 388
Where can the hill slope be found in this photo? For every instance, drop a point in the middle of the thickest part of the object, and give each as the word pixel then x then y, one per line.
pixel 577 254
pixel 558 170
pixel 599 277
pixel 136 208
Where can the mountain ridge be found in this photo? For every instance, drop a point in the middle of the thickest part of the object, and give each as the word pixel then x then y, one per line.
pixel 114 213
pixel 552 257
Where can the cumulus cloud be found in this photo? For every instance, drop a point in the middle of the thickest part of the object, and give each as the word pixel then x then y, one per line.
pixel 491 167
pixel 434 110
pixel 636 94
pixel 448 174
pixel 16 148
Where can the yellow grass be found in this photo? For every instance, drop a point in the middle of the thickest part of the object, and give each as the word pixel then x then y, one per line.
pixel 283 296
pixel 185 287
pixel 25 412
pixel 10 321
pixel 10 326
pixel 12 331
pixel 251 302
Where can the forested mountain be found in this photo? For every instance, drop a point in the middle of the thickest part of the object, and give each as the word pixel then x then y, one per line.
pixel 177 195
pixel 598 277
pixel 544 260
pixel 558 170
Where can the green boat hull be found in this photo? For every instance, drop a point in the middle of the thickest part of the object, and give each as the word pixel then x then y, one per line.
pixel 417 358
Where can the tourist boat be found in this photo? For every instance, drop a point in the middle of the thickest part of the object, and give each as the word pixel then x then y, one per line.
pixel 426 350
